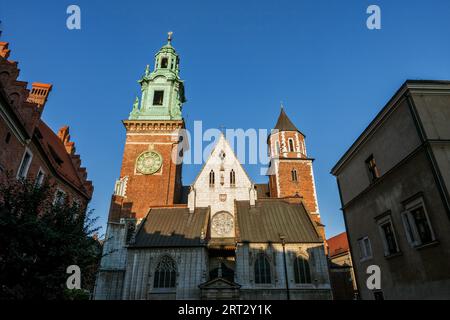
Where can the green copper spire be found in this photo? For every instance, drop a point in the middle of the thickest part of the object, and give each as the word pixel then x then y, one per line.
pixel 162 89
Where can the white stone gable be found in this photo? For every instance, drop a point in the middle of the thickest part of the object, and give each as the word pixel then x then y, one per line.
pixel 220 195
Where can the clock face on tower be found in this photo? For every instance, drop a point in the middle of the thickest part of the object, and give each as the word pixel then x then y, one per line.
pixel 149 162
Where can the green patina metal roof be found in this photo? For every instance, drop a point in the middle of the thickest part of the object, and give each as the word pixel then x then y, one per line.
pixel 164 78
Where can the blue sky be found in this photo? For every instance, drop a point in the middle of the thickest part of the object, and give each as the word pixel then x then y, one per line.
pixel 239 59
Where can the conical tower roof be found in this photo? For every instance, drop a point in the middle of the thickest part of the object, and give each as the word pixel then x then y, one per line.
pixel 284 123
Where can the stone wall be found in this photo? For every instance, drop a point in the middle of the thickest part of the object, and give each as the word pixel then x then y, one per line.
pixel 112 266
pixel 315 255
pixel 141 263
pixel 413 273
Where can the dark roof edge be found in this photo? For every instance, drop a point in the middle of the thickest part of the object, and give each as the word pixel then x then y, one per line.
pixel 408 85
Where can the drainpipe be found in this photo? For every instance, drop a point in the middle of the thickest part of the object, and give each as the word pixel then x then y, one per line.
pixel 283 242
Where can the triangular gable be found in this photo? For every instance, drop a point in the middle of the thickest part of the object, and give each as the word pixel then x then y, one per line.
pixel 221 145
pixel 219 283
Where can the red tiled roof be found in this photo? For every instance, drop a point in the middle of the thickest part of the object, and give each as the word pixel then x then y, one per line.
pixel 338 244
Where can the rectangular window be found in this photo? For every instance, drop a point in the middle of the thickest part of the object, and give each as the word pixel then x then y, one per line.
pixel 365 249
pixel 40 177
pixel 372 169
pixel 24 165
pixel 386 229
pixel 417 224
pixel 158 97
pixel 60 197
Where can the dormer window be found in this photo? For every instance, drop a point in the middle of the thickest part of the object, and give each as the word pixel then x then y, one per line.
pixel 164 63
pixel 158 98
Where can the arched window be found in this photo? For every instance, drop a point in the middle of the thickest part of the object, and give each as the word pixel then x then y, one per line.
pixel 164 63
pixel 262 270
pixel 232 178
pixel 294 175
pixel 130 233
pixel 291 145
pixel 302 273
pixel 212 178
pixel 165 273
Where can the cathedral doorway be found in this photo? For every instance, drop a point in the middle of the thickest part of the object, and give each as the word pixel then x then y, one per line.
pixel 222 262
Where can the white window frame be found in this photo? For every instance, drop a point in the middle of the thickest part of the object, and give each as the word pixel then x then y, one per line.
pixel 55 200
pixel 381 223
pixel 39 182
pixel 412 235
pixel 27 165
pixel 363 254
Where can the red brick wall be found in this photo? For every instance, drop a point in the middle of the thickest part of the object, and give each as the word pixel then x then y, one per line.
pixel 11 158
pixel 304 186
pixel 11 153
pixel 16 99
pixel 145 191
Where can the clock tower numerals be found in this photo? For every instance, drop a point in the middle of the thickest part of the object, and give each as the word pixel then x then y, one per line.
pixel 149 163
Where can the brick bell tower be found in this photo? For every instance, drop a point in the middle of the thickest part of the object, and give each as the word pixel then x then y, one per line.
pixel 151 167
pixel 291 173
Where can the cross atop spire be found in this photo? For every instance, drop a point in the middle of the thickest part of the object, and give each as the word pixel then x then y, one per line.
pixel 169 36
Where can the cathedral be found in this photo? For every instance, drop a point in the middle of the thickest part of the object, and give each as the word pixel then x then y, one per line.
pixel 223 237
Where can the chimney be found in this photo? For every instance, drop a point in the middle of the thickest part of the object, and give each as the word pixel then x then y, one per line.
pixel 4 51
pixel 39 94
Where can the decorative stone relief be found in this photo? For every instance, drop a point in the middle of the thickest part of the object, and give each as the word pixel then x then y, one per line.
pixel 222 223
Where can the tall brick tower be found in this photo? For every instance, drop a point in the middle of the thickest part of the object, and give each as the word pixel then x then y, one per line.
pixel 151 170
pixel 291 176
